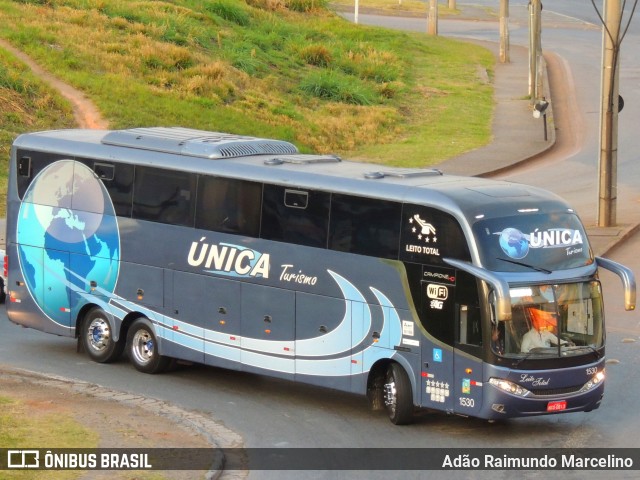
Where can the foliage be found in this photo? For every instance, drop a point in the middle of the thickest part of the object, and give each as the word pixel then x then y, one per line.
pixel 258 67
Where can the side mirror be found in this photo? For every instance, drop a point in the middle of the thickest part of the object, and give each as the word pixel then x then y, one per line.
pixel 627 277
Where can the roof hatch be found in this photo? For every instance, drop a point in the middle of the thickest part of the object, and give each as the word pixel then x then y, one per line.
pixel 405 173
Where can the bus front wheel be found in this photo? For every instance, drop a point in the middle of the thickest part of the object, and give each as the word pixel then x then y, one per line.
pixel 142 347
pixel 97 337
pixel 397 395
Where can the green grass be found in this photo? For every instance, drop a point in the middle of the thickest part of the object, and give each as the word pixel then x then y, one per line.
pixel 287 69
pixel 22 427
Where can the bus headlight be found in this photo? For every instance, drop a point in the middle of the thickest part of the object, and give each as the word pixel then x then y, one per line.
pixel 509 387
pixel 596 380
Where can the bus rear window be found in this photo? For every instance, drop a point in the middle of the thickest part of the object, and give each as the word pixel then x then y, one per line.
pixel 529 242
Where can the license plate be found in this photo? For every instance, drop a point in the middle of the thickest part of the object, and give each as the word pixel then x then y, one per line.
pixel 556 406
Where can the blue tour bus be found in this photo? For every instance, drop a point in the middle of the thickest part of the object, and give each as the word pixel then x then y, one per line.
pixel 420 290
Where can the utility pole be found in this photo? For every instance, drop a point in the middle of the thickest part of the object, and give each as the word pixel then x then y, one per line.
pixel 608 162
pixel 432 18
pixel 535 48
pixel 452 4
pixel 504 31
pixel 356 10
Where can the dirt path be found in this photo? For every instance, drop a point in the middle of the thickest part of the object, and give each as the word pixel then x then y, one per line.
pixel 84 111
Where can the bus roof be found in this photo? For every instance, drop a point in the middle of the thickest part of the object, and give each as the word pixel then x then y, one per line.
pixel 279 162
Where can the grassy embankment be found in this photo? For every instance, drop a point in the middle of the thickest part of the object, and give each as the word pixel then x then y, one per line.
pixel 262 68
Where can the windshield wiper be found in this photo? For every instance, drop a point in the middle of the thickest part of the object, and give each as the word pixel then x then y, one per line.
pixel 537 269
pixel 581 347
pixel 542 351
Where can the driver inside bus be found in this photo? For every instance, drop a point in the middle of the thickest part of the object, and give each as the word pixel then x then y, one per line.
pixel 541 334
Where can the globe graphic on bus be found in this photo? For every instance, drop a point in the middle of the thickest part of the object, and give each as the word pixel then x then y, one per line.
pixel 68 238
pixel 514 243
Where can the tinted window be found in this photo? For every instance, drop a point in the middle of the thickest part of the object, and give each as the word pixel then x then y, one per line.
pixel 295 216
pixel 468 310
pixel 29 164
pixel 226 205
pixel 118 180
pixel 364 225
pixel 163 196
pixel 552 242
pixel 429 235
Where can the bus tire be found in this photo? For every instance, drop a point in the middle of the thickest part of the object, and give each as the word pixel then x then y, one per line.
pixel 142 347
pixel 398 398
pixel 97 337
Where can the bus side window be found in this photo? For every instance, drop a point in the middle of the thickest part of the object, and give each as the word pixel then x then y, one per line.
pixel 118 180
pixel 366 226
pixel 228 205
pixel 164 196
pixel 295 216
pixel 30 163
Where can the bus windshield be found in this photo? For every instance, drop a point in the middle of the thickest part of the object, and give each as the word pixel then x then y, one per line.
pixel 551 321
pixel 542 242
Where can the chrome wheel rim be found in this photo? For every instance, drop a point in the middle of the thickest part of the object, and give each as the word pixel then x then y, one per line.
pixel 390 395
pixel 142 347
pixel 99 334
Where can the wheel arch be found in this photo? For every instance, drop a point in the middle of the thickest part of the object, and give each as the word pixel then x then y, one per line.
pixel 119 328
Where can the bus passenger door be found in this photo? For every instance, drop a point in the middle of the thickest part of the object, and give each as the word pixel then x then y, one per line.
pixel 268 330
pixel 468 369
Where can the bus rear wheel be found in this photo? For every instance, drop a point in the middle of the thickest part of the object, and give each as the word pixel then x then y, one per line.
pixel 398 399
pixel 97 337
pixel 142 347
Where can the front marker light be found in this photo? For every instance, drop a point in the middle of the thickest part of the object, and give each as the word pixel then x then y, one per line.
pixel 509 387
